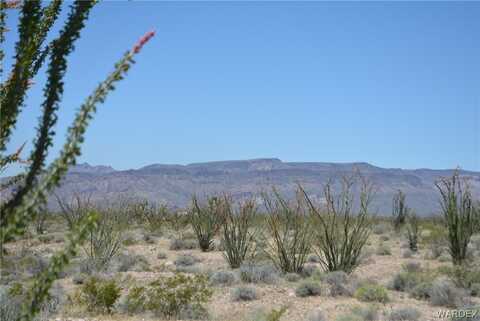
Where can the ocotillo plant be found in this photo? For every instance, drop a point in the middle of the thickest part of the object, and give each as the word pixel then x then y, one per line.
pixel 399 210
pixel 458 215
pixel 289 233
pixel 37 182
pixel 341 234
pixel 412 231
pixel 238 233
pixel 206 220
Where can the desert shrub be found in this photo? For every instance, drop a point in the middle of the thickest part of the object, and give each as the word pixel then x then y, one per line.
pixel 412 231
pixel 222 278
pixel 384 238
pixel 308 288
pixel 383 249
pixel 181 244
pixel 244 293
pixel 292 277
pixel 462 275
pixel 404 281
pixel 169 296
pixel 253 273
pixel 177 221
pixel 128 262
pixel 271 315
pixel 340 234
pixel 467 313
pixel 162 255
pixel 10 305
pixel 475 289
pixel 316 315
pixel 193 312
pixel 372 293
pixel 400 210
pixel 367 313
pixel 380 229
pixel 421 291
pixel 185 260
pixel 445 293
pixel 412 267
pixel 459 215
pixel 237 236
pixel 338 283
pixel 288 233
pixel 407 254
pixel 99 295
pixel 79 278
pixel 404 314
pixel 206 221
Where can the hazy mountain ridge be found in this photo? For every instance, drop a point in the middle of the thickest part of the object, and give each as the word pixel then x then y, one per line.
pixel 175 184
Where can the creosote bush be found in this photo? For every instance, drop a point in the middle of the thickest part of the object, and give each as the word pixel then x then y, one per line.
pixel 238 234
pixel 169 296
pixel 99 295
pixel 289 233
pixel 340 234
pixel 206 220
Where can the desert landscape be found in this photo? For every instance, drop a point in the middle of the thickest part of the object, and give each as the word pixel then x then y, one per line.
pixel 260 161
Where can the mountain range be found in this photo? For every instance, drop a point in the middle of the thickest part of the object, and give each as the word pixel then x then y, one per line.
pixel 174 185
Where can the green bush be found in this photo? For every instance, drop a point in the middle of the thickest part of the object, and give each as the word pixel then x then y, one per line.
pixel 99 295
pixel 372 293
pixel 169 296
pixel 244 293
pixel 308 288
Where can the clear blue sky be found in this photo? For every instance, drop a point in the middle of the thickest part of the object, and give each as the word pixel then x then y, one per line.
pixel 392 84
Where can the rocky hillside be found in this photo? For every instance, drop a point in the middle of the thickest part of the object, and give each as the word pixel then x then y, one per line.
pixel 175 184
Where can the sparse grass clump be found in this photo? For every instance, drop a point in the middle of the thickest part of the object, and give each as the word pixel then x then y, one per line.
pixel 372 293
pixel 292 277
pixel 253 273
pixel 383 249
pixel 338 283
pixel 308 288
pixel 445 293
pixel 185 260
pixel 130 262
pixel 316 315
pixel 404 314
pixel 183 244
pixel 222 278
pixel 244 293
